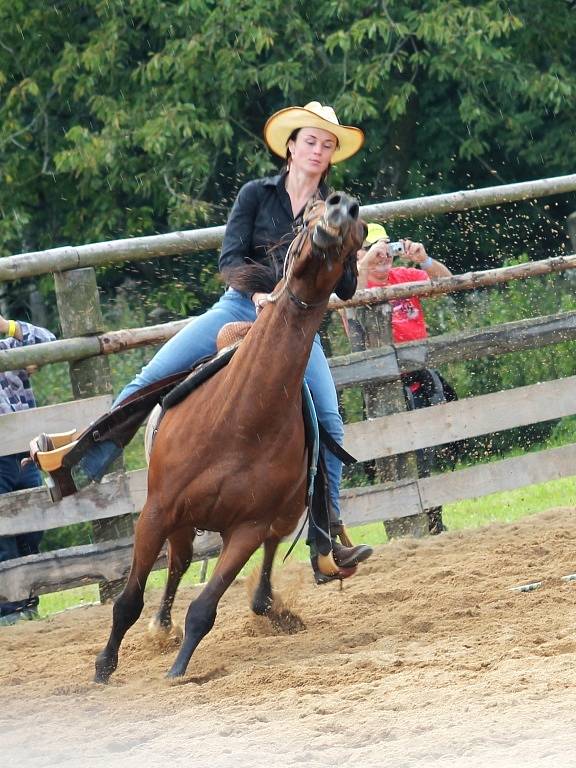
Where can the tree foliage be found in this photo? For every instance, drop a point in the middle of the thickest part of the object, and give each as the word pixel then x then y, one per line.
pixel 128 117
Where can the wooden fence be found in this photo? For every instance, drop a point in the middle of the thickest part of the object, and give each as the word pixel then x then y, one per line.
pixel 387 434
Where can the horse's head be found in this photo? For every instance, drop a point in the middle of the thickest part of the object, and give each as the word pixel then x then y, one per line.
pixel 332 235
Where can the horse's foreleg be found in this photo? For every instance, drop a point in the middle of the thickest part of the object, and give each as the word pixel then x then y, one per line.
pixel 180 545
pixel 238 545
pixel 263 598
pixel 148 539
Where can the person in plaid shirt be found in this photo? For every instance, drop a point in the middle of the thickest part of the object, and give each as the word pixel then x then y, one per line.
pixel 16 395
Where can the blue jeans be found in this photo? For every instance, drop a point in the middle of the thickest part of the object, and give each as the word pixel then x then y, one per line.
pixel 198 339
pixel 13 478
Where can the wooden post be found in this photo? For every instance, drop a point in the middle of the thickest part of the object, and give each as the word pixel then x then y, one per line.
pixel 203 571
pixel 80 315
pixel 371 328
pixel 571 225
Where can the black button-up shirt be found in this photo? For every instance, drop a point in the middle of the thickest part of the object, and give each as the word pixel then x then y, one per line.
pixel 261 226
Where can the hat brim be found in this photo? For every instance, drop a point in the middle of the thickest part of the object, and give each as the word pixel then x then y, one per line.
pixel 280 126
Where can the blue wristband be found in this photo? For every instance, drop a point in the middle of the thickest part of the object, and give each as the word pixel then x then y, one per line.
pixel 427 263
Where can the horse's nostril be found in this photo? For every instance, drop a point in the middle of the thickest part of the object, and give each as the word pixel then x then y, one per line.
pixel 354 210
pixel 334 199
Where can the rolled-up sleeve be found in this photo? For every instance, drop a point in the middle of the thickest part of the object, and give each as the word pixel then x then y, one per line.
pixel 34 334
pixel 237 244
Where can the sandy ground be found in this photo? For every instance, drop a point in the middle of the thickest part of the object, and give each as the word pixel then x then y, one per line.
pixel 424 659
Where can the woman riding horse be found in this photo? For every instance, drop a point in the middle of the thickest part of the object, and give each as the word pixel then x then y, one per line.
pixel 262 223
pixel 243 471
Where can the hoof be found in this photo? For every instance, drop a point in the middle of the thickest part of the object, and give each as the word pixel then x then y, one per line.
pixel 175 674
pixel 104 668
pixel 262 606
pixel 164 636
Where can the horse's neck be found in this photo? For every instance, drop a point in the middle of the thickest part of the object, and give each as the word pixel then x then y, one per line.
pixel 277 349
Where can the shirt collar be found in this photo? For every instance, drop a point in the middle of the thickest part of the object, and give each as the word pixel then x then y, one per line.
pixel 279 182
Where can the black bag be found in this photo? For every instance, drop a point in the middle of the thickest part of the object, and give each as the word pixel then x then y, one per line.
pixel 423 389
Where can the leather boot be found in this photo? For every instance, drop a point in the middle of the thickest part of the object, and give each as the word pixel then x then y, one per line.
pixel 349 557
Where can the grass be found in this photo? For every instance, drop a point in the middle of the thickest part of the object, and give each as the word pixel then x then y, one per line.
pixel 502 507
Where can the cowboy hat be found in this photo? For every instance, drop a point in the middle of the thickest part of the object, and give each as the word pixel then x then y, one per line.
pixel 281 125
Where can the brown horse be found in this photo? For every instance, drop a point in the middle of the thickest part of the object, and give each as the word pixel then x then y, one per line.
pixel 232 457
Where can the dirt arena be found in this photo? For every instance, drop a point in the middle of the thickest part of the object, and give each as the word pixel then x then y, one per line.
pixel 424 659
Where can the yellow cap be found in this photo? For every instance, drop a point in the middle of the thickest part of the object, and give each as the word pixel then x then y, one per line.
pixel 375 232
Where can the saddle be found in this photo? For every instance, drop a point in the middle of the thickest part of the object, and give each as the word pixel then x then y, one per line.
pixel 56 454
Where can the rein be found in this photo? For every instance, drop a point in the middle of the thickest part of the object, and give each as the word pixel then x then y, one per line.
pixel 297 243
pixel 300 303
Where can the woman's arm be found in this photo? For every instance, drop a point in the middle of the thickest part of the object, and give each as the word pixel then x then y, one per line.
pixel 237 244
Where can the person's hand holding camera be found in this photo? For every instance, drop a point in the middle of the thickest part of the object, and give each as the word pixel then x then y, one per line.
pixel 375 256
pixel 415 252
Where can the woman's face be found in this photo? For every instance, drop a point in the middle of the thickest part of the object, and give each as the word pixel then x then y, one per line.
pixel 312 149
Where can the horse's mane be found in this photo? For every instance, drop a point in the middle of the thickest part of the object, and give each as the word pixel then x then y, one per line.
pixel 253 277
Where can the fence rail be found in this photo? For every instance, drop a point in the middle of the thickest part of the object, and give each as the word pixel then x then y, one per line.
pixel 77 566
pixel 112 342
pixel 174 243
pixel 123 494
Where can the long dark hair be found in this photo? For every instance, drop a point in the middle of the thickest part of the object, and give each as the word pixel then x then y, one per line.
pixel 292 137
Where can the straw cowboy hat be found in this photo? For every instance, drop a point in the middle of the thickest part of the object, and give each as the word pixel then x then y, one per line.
pixel 280 126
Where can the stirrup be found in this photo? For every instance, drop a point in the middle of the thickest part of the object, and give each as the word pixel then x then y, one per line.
pixel 327 565
pixel 336 573
pixel 47 452
pixel 341 532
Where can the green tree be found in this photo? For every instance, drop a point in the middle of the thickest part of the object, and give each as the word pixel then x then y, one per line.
pixel 128 117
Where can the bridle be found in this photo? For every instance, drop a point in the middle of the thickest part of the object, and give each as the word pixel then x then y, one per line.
pixel 294 248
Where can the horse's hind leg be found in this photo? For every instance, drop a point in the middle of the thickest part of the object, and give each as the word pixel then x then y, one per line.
pixel 280 616
pixel 148 540
pixel 180 546
pixel 237 548
pixel 263 598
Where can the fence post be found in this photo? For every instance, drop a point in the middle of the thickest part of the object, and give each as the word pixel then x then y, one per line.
pixel 369 328
pixel 81 315
pixel 571 224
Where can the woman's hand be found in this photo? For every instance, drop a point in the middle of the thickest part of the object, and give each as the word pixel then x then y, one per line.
pixel 260 300
pixel 3 325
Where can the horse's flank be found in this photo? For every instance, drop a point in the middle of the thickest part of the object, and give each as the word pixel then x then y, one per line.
pixel 246 422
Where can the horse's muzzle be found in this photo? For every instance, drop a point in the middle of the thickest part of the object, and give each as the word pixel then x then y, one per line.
pixel 340 210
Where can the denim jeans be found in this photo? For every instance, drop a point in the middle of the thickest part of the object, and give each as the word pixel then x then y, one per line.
pixel 13 478
pixel 198 339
